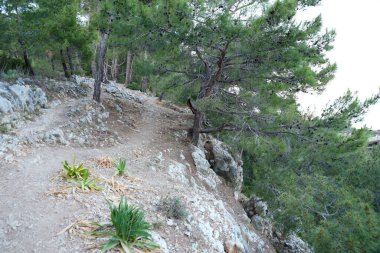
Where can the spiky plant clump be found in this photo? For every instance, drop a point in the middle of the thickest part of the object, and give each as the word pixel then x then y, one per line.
pixel 131 229
pixel 80 175
pixel 120 167
pixel 76 172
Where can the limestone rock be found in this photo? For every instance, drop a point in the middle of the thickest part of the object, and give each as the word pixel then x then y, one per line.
pixel 160 242
pixel 294 244
pixel 200 161
pixel 56 135
pixel 121 92
pixel 225 165
pixel 20 97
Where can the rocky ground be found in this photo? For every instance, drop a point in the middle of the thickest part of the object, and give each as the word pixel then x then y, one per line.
pixel 41 212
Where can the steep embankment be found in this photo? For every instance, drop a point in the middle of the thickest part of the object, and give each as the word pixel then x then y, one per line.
pixel 40 213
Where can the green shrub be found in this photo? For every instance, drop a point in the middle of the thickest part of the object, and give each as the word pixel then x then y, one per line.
pixel 11 75
pixel 174 207
pixel 120 167
pixel 130 230
pixel 3 129
pixel 44 68
pixel 134 86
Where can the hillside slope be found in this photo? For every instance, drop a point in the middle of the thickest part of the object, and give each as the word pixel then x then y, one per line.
pixel 40 212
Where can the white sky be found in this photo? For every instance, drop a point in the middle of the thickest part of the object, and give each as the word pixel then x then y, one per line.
pixel 356 52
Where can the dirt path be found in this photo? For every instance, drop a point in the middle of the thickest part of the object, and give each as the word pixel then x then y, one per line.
pixel 29 219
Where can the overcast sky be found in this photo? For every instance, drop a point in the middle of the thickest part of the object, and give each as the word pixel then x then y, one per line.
pixel 356 51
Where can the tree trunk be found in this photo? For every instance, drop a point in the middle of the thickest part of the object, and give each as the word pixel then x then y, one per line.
pixel 100 59
pixel 114 67
pixel 70 58
pixel 93 68
pixel 197 126
pixel 50 57
pixel 64 65
pixel 52 64
pixel 128 72
pixel 207 87
pixel 144 84
pixel 28 65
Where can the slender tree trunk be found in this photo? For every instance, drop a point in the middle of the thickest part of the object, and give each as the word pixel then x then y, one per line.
pixel 70 58
pixel 197 126
pixel 64 65
pixel 28 66
pixel 114 67
pixel 128 72
pixel 50 56
pixel 144 84
pixel 100 59
pixel 93 68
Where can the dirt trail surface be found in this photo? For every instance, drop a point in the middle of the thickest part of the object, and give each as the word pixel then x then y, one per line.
pixel 40 213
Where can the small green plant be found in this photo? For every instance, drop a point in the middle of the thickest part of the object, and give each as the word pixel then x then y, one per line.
pixel 174 207
pixel 3 129
pixel 90 184
pixel 129 230
pixel 120 167
pixel 76 172
pixel 80 175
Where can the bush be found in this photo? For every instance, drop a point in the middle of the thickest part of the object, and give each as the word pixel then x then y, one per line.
pixel 11 75
pixel 174 207
pixel 43 67
pixel 131 231
pixel 3 129
pixel 134 86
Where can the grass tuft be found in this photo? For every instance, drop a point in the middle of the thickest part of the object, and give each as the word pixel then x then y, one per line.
pixel 120 167
pixel 130 230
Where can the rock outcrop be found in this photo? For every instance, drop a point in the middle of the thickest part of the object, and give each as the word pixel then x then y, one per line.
pixel 231 235
pixel 217 156
pixel 21 97
pixel 261 218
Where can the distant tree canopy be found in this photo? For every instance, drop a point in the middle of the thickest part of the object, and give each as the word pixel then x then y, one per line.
pixel 239 65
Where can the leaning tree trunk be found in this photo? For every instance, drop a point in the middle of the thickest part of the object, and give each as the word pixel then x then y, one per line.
pixel 64 65
pixel 199 116
pixel 70 58
pixel 206 90
pixel 100 60
pixel 28 65
pixel 128 72
pixel 197 126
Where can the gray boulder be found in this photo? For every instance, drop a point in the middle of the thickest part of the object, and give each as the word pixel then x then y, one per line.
pixel 120 92
pixel 224 164
pixel 5 105
pixel 20 97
